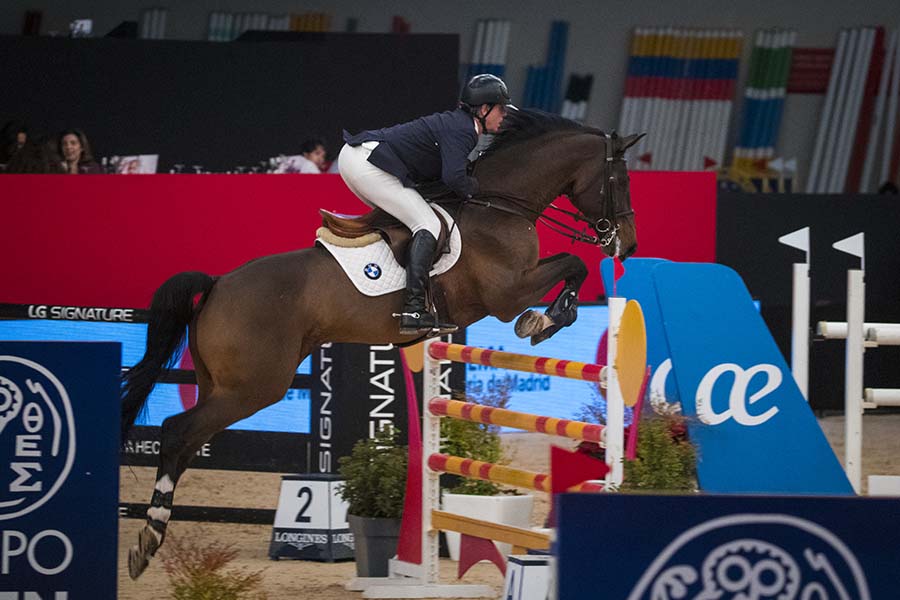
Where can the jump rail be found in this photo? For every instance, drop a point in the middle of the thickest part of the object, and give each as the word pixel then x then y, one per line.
pixel 485 471
pixel 569 369
pixel 879 334
pixel 468 411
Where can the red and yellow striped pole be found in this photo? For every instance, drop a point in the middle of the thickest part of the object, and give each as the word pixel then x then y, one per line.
pixel 467 411
pixel 485 471
pixel 520 362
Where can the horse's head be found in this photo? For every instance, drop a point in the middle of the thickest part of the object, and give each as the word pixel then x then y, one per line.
pixel 536 157
pixel 602 193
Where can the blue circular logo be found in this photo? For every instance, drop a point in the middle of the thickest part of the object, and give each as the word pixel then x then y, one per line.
pixel 372 271
pixel 37 435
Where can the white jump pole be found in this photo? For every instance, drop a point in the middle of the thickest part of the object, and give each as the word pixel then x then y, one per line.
pixel 615 404
pixel 431 443
pixel 879 334
pixel 884 334
pixel 800 310
pixel 882 397
pixel 853 391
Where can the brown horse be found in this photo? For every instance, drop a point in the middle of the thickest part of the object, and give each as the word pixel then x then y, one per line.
pixel 253 326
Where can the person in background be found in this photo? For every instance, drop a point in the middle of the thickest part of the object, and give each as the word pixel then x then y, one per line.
pixel 382 167
pixel 76 152
pixel 38 155
pixel 12 139
pixel 313 156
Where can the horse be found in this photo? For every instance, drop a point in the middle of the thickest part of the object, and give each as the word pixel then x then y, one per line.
pixel 249 329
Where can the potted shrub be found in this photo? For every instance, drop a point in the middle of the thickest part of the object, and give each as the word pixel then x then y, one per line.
pixel 374 485
pixel 473 497
pixel 665 461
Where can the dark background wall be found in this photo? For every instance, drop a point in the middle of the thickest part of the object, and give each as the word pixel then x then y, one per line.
pixel 747 231
pixel 599 35
pixel 224 105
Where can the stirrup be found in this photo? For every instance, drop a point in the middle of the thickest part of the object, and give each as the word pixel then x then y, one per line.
pixel 425 323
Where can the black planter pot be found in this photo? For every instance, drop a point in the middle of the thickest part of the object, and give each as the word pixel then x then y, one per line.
pixel 375 543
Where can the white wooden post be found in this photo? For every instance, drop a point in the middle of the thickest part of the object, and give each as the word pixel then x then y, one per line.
pixel 800 310
pixel 853 390
pixel 615 404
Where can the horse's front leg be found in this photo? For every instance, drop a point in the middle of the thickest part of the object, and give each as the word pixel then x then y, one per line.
pixel 535 285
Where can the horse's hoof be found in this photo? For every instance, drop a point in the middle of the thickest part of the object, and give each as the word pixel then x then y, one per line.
pixel 531 323
pixel 137 562
pixel 545 334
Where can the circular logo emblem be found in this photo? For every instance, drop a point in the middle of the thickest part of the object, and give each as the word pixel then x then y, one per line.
pixel 372 271
pixel 37 436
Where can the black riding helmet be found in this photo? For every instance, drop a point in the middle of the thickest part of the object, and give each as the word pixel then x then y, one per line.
pixel 485 89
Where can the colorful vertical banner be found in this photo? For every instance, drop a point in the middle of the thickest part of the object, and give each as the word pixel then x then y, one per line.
pixel 489 48
pixel 680 90
pixel 543 84
pixel 770 66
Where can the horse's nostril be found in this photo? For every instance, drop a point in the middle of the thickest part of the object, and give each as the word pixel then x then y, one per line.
pixel 630 251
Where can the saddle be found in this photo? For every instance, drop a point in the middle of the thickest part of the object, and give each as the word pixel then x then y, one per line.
pixel 362 230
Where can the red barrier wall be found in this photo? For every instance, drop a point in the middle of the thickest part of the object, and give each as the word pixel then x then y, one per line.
pixel 100 240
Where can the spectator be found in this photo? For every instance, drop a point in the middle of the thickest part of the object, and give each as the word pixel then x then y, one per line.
pixel 38 155
pixel 14 136
pixel 313 156
pixel 888 188
pixel 76 152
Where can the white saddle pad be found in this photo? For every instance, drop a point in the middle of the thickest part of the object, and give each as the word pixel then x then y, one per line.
pixel 373 269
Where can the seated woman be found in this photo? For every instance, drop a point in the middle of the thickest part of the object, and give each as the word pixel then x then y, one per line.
pixel 76 152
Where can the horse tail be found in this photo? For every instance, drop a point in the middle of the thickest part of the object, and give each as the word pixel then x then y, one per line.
pixel 171 310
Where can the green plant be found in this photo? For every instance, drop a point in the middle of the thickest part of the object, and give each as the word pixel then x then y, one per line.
pixel 375 476
pixel 666 460
pixel 478 441
pixel 196 572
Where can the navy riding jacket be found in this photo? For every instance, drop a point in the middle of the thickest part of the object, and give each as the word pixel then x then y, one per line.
pixel 431 148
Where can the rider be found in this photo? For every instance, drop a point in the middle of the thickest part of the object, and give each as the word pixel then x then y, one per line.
pixel 382 166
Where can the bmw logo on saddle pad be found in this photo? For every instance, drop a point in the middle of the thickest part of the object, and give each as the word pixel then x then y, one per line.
pixel 372 271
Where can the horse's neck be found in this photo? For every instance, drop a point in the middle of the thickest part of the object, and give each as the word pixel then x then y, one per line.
pixel 539 170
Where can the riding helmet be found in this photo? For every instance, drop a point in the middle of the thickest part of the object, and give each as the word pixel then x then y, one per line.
pixel 485 89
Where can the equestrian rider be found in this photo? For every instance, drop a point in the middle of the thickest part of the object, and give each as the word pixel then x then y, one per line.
pixel 382 166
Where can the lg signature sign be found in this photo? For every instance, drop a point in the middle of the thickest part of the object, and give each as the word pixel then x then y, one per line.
pixel 740 405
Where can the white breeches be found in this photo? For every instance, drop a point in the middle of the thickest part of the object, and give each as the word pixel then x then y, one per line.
pixel 380 189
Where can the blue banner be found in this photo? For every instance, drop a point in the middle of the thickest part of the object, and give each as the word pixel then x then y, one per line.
pixel 755 431
pixel 727 547
pixel 59 475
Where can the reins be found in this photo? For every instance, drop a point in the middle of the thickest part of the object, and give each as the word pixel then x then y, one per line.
pixel 605 227
pixel 564 229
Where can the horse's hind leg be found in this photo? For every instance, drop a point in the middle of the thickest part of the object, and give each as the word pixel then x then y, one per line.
pixel 181 436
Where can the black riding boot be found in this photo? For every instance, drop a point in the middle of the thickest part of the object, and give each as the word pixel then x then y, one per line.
pixel 415 318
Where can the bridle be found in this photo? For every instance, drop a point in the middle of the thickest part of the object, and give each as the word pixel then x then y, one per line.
pixel 606 227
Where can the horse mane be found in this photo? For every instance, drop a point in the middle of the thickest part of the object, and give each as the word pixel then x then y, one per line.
pixel 523 125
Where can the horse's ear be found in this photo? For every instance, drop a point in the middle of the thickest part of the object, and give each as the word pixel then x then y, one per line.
pixel 631 140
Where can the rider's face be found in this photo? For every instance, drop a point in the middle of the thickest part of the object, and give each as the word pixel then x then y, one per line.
pixel 494 117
